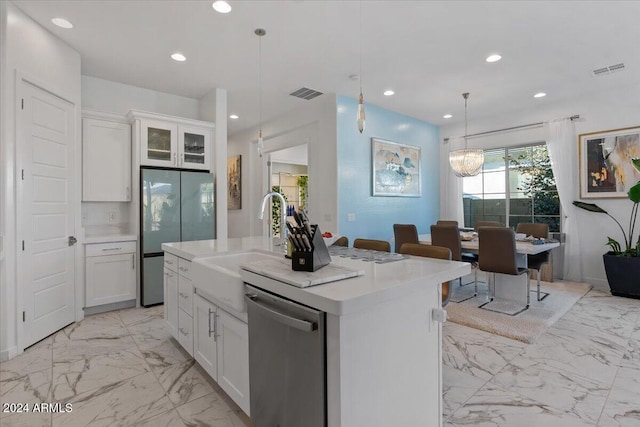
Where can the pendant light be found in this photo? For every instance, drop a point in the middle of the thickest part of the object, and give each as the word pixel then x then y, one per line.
pixel 260 32
pixel 469 161
pixel 360 120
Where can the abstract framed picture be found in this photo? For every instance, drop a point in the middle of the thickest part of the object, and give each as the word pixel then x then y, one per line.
pixel 605 162
pixel 234 182
pixel 396 169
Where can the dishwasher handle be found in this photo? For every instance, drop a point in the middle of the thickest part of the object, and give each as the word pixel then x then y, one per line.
pixel 302 325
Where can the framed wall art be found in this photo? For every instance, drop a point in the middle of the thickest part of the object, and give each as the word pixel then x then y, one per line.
pixel 234 182
pixel 396 169
pixel 605 162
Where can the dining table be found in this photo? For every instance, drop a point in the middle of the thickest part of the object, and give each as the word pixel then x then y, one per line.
pixel 506 287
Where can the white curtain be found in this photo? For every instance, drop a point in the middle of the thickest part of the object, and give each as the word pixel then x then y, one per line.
pixel 560 136
pixel 453 209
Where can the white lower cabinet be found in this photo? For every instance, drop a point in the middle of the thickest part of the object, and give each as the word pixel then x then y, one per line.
pixel 221 346
pixel 171 301
pixel 110 273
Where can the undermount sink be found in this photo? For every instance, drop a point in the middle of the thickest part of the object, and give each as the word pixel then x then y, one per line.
pixel 219 276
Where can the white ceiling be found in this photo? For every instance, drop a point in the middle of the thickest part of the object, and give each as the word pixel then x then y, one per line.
pixel 428 52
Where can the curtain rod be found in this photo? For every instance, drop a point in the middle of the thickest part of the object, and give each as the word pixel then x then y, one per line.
pixel 574 117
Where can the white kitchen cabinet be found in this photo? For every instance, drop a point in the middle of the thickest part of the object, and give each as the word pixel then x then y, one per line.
pixel 174 142
pixel 178 300
pixel 106 161
pixel 110 273
pixel 171 301
pixel 221 346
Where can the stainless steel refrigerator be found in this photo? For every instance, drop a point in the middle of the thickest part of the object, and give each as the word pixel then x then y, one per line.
pixel 175 206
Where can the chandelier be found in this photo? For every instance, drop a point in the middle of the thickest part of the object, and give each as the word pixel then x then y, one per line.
pixel 468 161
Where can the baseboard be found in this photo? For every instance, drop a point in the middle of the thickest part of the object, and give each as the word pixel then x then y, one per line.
pixel 8 354
pixel 88 311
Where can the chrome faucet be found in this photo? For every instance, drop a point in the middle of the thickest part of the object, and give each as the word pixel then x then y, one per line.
pixel 283 215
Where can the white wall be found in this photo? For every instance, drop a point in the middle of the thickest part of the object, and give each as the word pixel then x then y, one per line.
pixel 313 123
pixel 114 97
pixel 42 57
pixel 598 111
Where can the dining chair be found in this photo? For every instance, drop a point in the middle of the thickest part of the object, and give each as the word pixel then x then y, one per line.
pixel 487 224
pixel 342 241
pixel 448 236
pixel 447 222
pixel 430 251
pixel 535 262
pixel 497 247
pixel 404 233
pixel 374 245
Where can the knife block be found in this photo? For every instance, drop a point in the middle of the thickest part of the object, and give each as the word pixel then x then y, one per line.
pixel 312 260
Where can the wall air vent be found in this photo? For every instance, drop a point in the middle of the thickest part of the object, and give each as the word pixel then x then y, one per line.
pixel 305 93
pixel 608 70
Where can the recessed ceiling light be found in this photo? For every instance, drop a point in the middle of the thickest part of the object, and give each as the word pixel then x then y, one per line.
pixel 539 95
pixel 234 117
pixel 388 92
pixel 178 57
pixel 62 23
pixel 221 6
pixel 447 116
pixel 493 58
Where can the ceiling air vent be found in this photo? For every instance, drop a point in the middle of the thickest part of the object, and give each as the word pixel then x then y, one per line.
pixel 608 70
pixel 305 93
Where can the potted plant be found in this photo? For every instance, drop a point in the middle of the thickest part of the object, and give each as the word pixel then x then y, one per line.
pixel 622 265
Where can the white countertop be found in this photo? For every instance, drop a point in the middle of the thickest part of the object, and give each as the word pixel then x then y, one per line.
pixel 380 282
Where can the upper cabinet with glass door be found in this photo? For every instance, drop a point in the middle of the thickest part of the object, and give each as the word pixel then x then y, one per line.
pixel 173 142
pixel 194 145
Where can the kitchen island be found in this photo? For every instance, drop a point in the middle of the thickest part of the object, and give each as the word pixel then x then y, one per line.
pixel 383 333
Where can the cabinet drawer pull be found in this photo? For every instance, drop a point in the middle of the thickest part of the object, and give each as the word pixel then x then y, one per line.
pixel 215 327
pixel 111 249
pixel 210 313
pixel 169 274
pixel 167 261
pixel 183 269
pixel 183 332
pixel 183 295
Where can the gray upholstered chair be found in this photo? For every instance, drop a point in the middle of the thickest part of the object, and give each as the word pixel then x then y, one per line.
pixel 497 246
pixel 430 251
pixel 342 241
pixel 404 233
pixel 536 261
pixel 446 222
pixel 487 224
pixel 448 236
pixel 374 245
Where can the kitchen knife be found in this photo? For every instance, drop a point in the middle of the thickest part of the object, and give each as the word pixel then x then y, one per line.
pixel 307 244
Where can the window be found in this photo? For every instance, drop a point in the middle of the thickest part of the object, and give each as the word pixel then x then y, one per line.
pixel 516 185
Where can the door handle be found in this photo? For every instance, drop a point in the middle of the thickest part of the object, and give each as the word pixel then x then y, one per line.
pixel 72 240
pixel 182 158
pixel 128 194
pixel 210 313
pixel 300 324
pixel 175 159
pixel 133 261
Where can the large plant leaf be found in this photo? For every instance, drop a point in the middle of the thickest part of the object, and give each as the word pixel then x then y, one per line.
pixel 634 193
pixel 636 162
pixel 589 207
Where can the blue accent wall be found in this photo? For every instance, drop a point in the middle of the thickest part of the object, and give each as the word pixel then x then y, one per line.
pixel 375 216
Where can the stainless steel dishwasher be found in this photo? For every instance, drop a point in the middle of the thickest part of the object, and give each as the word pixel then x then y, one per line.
pixel 287 362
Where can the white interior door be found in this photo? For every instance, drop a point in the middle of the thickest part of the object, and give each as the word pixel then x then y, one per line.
pixel 46 260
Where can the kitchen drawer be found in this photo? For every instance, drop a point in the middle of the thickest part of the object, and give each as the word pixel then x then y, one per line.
pixel 171 261
pixel 113 248
pixel 185 295
pixel 184 268
pixel 185 331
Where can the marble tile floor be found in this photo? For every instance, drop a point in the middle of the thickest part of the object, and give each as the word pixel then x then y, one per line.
pixel 120 368
pixel 123 369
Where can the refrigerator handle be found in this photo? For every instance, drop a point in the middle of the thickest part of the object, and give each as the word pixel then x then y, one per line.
pixel 303 325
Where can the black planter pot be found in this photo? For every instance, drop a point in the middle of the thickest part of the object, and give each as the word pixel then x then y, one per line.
pixel 623 275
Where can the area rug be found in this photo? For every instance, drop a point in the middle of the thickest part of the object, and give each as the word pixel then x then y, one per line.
pixel 526 326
